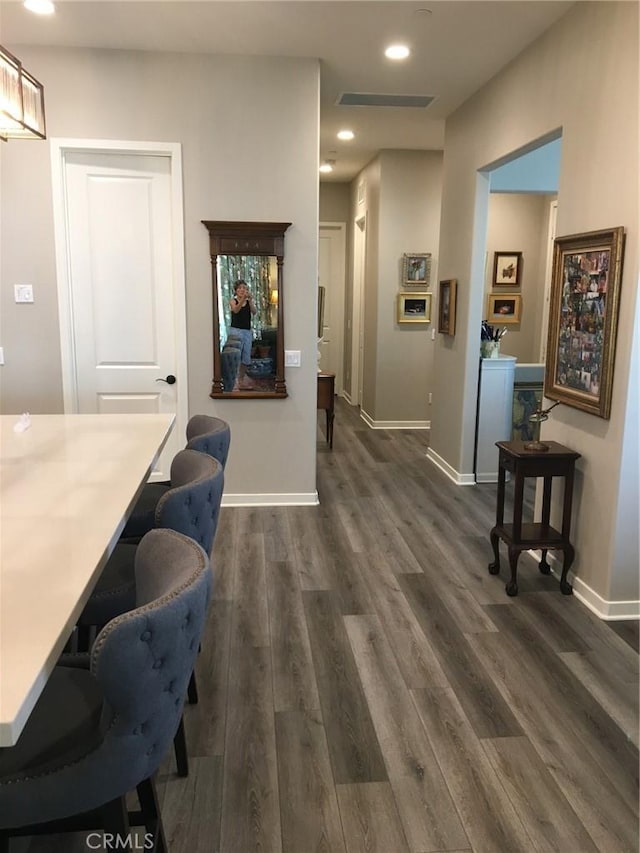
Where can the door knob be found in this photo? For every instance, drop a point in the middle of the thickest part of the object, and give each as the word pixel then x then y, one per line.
pixel 170 380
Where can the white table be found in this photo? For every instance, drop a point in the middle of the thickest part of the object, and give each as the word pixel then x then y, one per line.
pixel 67 486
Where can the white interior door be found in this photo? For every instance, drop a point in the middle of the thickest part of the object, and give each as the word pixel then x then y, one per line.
pixel 331 276
pixel 124 317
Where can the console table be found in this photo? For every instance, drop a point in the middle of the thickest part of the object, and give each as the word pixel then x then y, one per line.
pixel 557 461
pixel 326 391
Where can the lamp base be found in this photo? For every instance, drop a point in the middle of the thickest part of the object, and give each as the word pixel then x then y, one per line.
pixel 536 446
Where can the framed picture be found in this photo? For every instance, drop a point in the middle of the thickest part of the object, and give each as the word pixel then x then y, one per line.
pixel 414 308
pixel 507 269
pixel 447 307
pixel 504 308
pixel 416 269
pixel 321 297
pixel 583 318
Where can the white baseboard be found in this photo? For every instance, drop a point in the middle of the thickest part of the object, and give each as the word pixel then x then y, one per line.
pixel 393 424
pixel 604 609
pixel 303 499
pixel 452 474
pixel 491 477
pixel 347 397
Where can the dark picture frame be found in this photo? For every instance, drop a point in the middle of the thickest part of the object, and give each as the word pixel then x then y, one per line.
pixel 414 307
pixel 507 269
pixel 447 306
pixel 416 269
pixel 504 308
pixel 583 319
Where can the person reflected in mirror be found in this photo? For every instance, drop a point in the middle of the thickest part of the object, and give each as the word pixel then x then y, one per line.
pixel 242 309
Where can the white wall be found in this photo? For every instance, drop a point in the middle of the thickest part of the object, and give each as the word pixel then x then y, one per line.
pixel 583 67
pixel 249 133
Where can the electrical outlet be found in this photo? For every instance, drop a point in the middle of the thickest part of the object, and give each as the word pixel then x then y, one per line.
pixel 292 358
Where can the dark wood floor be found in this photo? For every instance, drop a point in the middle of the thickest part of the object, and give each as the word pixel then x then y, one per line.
pixel 366 685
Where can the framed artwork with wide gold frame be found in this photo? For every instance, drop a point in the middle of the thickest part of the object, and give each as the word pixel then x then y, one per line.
pixel 583 318
pixel 414 307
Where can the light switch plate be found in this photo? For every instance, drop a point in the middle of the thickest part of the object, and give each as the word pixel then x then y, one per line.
pixel 23 292
pixel 1 355
pixel 292 358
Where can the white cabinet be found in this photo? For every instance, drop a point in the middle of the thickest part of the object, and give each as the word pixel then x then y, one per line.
pixel 494 417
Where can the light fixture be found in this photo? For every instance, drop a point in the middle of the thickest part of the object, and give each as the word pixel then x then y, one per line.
pixel 397 51
pixel 345 134
pixel 21 101
pixel 40 7
pixel 326 167
pixel 273 296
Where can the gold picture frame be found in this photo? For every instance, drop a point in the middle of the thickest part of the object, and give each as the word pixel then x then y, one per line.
pixel 416 269
pixel 583 319
pixel 504 308
pixel 414 307
pixel 447 306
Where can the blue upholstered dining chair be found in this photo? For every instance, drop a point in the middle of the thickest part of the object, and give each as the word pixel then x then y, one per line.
pixel 191 506
pixel 96 734
pixel 206 434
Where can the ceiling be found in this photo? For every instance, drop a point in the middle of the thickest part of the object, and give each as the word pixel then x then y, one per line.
pixel 456 47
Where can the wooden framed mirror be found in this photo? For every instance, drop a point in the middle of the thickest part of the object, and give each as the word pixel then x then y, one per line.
pixel 247 261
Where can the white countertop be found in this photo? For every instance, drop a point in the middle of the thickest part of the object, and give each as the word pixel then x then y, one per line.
pixel 67 486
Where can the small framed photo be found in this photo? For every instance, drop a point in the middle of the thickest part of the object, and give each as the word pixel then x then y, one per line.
pixel 583 318
pixel 414 308
pixel 507 269
pixel 447 307
pixel 416 269
pixel 504 308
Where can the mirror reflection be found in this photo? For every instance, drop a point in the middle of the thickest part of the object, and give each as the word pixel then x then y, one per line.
pixel 248 321
pixel 247 260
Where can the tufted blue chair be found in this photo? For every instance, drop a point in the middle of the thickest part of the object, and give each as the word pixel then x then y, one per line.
pixel 191 506
pixel 96 734
pixel 205 433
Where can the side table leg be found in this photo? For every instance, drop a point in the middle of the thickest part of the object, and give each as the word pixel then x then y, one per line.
pixel 494 567
pixel 545 568
pixel 569 554
pixel 512 586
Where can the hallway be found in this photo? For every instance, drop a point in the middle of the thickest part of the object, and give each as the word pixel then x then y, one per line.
pixel 366 685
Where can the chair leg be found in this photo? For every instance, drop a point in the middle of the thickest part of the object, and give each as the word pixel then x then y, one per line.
pixel 192 690
pixel 148 797
pixel 180 749
pixel 115 818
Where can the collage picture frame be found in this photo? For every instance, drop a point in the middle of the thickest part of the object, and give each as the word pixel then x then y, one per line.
pixel 583 319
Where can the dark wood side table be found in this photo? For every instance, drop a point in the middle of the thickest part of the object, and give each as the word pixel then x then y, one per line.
pixel 557 461
pixel 326 391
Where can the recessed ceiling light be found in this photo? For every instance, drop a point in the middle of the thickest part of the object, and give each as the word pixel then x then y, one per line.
pixel 326 167
pixel 397 51
pixel 346 134
pixel 40 7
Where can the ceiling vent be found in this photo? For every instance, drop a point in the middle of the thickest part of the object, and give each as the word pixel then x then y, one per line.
pixel 367 99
